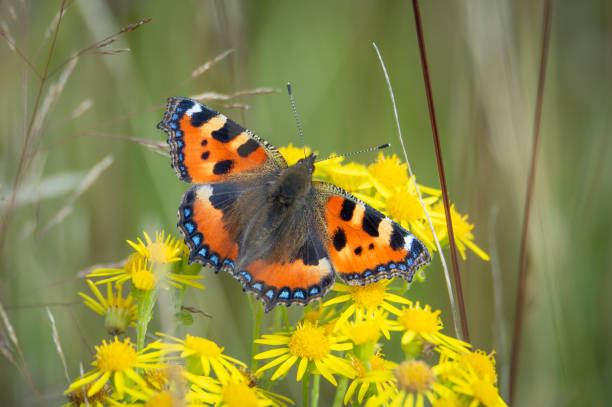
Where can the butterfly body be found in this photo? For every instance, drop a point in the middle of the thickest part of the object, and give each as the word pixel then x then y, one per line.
pixel 282 235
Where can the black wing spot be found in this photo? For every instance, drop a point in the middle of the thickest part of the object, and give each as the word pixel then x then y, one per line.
pixel 358 250
pixel 228 132
pixel 223 167
pixel 370 222
pixel 205 155
pixel 199 118
pixel 371 246
pixel 248 147
pixel 339 239
pixel 346 213
pixel 397 238
pixel 204 142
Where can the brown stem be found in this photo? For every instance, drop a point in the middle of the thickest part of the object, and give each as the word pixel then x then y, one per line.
pixel 436 139
pixel 522 277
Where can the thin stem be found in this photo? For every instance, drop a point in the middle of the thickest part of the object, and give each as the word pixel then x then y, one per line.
pixel 285 317
pixel 436 139
pixel 28 134
pixel 256 330
pixel 449 285
pixel 305 387
pixel 18 51
pixel 316 381
pixel 340 391
pixel 146 303
pixel 522 277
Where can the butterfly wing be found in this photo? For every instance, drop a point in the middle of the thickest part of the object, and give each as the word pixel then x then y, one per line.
pixel 296 278
pixel 206 146
pixel 277 271
pixel 203 227
pixel 364 245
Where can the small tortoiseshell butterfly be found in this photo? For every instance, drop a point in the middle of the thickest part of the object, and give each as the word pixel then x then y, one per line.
pixel 282 235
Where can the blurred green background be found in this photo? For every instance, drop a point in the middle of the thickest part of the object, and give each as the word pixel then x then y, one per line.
pixel 483 57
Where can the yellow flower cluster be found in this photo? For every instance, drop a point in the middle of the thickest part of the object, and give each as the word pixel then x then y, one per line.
pixel 344 337
pixel 340 340
pixel 386 186
pixel 160 262
pixel 188 372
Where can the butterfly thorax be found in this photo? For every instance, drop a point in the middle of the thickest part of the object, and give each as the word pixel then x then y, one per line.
pixel 270 222
pixel 292 184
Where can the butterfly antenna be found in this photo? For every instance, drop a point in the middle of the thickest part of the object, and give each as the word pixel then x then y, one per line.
pixel 297 120
pixel 383 146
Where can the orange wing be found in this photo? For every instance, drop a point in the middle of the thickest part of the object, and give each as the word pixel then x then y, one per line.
pixel 206 146
pixel 287 282
pixel 364 245
pixel 201 222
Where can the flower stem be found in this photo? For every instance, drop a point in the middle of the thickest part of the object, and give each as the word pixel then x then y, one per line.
pixel 305 386
pixel 340 391
pixel 258 311
pixel 316 380
pixel 146 303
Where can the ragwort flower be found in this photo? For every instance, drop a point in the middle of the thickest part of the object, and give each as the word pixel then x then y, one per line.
pixel 310 344
pixel 462 230
pixel 423 324
pixel 117 361
pixel 161 251
pixel 235 390
pixel 205 351
pixel 377 376
pixel 118 312
pixel 365 298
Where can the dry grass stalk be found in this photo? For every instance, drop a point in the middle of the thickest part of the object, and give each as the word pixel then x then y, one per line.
pixel 53 94
pixel 56 340
pixel 93 48
pixel 87 182
pixel 5 33
pixel 214 96
pixel 447 278
pixel 203 68
pixel 83 107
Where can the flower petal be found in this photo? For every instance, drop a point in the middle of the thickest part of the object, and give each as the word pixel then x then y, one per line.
pixel 271 353
pixel 284 367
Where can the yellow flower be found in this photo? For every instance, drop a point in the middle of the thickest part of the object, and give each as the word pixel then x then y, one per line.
pixel 403 206
pixel 481 391
pixel 164 399
pixel 145 277
pixel 207 352
pixel 160 379
pixel 234 390
pixel 416 381
pixel 366 328
pixel 423 324
pixel 462 230
pixel 379 374
pixel 161 251
pixel 119 312
pixel 350 177
pixel 310 344
pixel 293 154
pixel 482 364
pixel 365 298
pixel 117 361
pixel 389 173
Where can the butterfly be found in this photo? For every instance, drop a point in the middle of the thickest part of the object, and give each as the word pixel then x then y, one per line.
pixel 283 235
